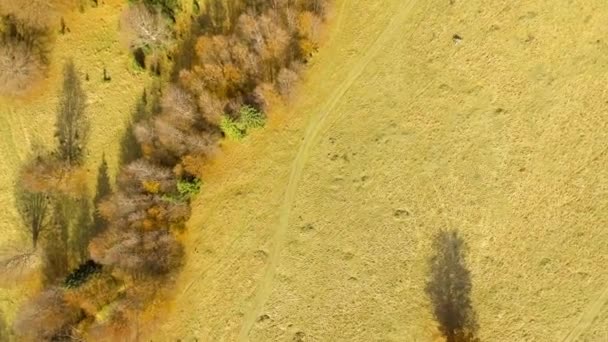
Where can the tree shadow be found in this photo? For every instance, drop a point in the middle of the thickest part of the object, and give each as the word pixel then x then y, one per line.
pixel 72 125
pixel 146 106
pixel 3 328
pixel 83 232
pixel 56 244
pixel 104 188
pixel 449 288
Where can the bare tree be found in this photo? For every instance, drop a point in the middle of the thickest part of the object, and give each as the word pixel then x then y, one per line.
pixel 19 67
pixel 72 126
pixel 17 263
pixel 145 28
pixel 286 81
pixel 449 288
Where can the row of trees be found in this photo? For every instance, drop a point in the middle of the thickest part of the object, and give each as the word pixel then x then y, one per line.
pixel 239 65
pixel 250 53
pixel 53 200
pixel 51 194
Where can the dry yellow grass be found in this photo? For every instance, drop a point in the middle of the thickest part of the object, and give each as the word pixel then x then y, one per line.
pixel 319 227
pixel 93 44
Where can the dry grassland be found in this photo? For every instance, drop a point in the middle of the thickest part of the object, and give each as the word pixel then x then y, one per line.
pixel 319 227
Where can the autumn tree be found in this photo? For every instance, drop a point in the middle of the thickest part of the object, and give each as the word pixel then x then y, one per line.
pixel 20 67
pixel 149 253
pixel 46 317
pixel 449 288
pixel 286 82
pixel 145 28
pixel 72 125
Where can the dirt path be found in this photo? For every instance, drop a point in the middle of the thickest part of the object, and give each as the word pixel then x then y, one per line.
pixel 264 287
pixel 318 228
pixel 588 316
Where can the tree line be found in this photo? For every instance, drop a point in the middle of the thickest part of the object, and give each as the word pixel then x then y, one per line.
pixel 117 254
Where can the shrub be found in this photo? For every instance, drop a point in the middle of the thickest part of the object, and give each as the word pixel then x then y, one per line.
pixel 249 118
pixel 230 128
pixel 94 294
pixel 186 190
pixel 80 275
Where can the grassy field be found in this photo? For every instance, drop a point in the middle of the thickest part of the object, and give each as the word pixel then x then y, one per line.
pixel 93 43
pixel 319 227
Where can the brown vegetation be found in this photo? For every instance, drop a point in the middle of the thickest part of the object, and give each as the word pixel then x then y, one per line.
pixel 251 52
pixel 26 30
pixel 37 14
pixel 19 67
pixel 145 28
pixel 46 317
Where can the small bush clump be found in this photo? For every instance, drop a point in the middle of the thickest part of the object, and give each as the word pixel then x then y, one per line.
pixel 249 118
pixel 80 275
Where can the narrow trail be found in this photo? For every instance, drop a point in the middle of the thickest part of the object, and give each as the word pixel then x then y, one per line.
pixel 588 316
pixel 225 255
pixel 264 288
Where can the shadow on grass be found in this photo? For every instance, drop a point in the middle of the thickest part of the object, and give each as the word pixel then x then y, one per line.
pixel 147 106
pixel 449 288
pixel 3 328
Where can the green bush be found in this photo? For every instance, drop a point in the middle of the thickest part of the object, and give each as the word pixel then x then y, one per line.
pixel 82 274
pixel 248 119
pixel 186 189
